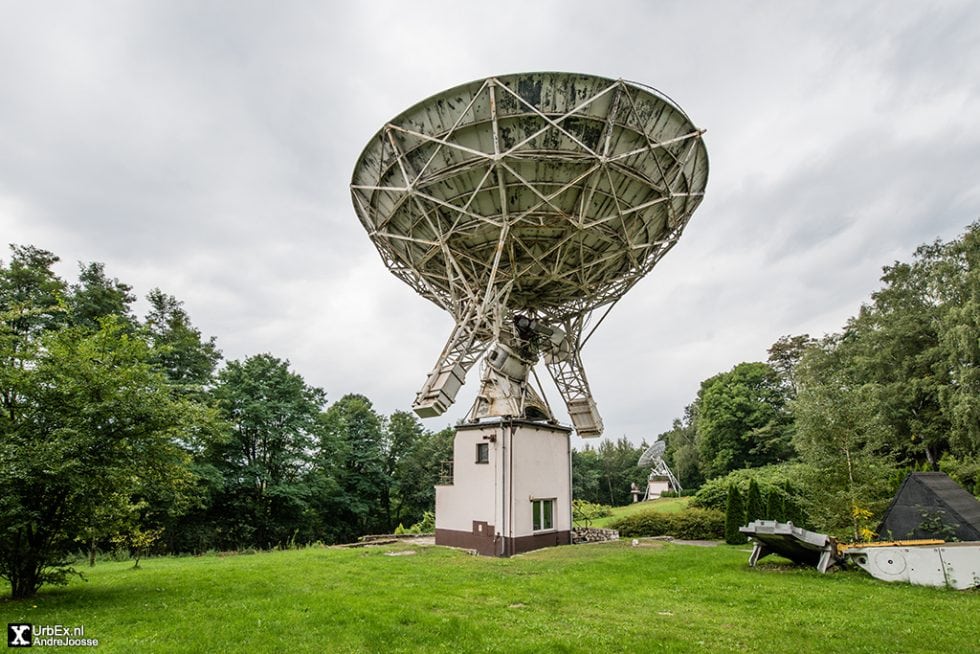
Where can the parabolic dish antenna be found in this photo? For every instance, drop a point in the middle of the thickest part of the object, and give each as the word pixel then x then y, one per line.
pixel 653 455
pixel 653 458
pixel 521 204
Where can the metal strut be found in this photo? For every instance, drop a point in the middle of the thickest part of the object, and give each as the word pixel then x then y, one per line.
pixel 565 366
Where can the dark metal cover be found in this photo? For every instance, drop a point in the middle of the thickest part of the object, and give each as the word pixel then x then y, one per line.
pixel 931 505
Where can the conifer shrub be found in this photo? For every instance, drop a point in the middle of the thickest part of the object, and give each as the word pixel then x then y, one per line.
pixel 734 517
pixel 775 507
pixel 794 513
pixel 754 508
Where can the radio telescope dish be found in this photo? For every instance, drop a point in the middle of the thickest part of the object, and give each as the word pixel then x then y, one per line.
pixel 521 204
pixel 652 455
pixel 653 458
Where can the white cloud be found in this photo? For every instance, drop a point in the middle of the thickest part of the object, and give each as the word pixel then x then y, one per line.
pixel 206 149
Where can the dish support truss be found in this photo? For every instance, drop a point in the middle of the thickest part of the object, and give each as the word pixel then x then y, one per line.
pixel 505 388
pixel 465 220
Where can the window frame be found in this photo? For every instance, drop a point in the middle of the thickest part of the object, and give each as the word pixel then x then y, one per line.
pixel 543 520
pixel 483 448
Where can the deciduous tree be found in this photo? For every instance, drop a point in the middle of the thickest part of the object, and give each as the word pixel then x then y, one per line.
pixel 179 349
pixel 96 296
pixel 742 421
pixel 419 457
pixel 87 425
pixel 843 440
pixel 349 469
pixel 272 413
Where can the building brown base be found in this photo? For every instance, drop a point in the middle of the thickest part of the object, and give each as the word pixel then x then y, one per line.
pixel 487 545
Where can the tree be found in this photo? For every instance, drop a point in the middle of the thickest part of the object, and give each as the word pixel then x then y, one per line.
pixel 843 440
pixel 418 466
pixel 957 273
pixel 398 433
pixel 775 507
pixel 915 348
pixel 734 516
pixel 32 300
pixel 618 470
pixel 87 424
pixel 742 420
pixel 754 508
pixel 349 470
pixel 785 355
pixel 180 351
pixel 585 475
pixel 32 296
pixel 681 452
pixel 95 296
pixel 273 415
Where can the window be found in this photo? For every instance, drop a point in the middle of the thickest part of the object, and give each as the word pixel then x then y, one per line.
pixel 483 452
pixel 542 514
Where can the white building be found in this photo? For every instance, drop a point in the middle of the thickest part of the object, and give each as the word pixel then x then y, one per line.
pixel 656 485
pixel 511 490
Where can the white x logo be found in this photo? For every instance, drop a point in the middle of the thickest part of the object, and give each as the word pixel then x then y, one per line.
pixel 19 630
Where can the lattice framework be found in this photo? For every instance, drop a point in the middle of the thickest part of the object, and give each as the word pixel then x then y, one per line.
pixel 544 194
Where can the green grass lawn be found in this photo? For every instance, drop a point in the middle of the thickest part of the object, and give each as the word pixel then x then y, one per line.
pixel 667 505
pixel 607 597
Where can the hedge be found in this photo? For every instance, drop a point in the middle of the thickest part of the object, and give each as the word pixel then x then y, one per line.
pixel 690 524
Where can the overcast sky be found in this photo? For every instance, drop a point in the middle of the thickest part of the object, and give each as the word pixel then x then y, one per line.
pixel 206 148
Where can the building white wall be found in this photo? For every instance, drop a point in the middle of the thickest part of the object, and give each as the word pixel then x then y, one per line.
pixel 525 463
pixel 541 468
pixel 655 487
pixel 471 496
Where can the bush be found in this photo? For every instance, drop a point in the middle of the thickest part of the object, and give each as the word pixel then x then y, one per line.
pixel 584 512
pixel 645 523
pixel 699 524
pixel 776 507
pixel 781 480
pixel 965 472
pixel 690 524
pixel 714 494
pixel 427 525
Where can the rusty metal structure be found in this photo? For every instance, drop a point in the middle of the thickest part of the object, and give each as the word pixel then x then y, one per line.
pixel 526 205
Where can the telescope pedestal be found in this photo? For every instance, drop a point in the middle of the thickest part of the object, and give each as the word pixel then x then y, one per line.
pixel 511 488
